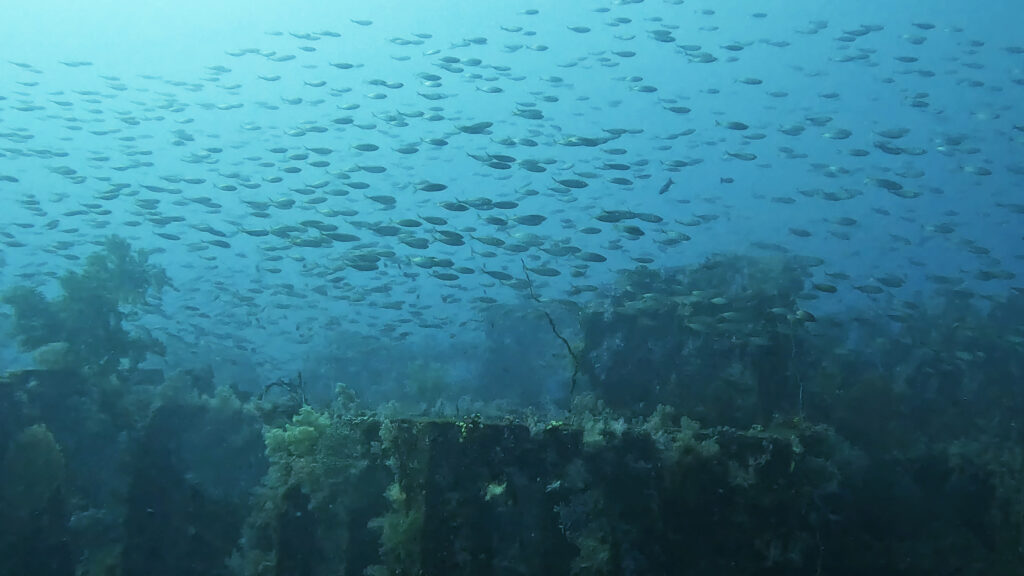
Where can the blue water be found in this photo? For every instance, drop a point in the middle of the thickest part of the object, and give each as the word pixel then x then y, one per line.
pixel 153 70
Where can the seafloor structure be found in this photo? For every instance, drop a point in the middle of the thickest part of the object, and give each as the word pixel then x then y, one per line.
pixel 896 451
pixel 205 485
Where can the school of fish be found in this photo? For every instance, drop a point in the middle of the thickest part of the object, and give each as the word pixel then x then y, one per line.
pixel 297 185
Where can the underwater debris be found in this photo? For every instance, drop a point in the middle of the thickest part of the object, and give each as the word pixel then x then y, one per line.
pixel 551 322
pixel 294 389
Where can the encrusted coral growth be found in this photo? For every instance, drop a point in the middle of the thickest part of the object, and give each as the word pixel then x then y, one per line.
pixel 718 338
pixel 401 527
pixel 33 469
pixel 400 530
pixel 293 450
pixel 316 462
pixel 599 424
pixel 586 527
pixel 677 437
pixel 35 537
pixel 86 321
pixel 1003 465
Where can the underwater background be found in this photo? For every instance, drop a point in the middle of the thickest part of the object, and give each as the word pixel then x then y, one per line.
pixel 632 287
